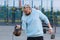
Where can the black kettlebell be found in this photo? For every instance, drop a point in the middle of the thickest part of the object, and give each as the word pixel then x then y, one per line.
pixel 17 31
pixel 53 36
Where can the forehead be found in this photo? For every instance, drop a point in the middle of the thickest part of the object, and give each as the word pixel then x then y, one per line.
pixel 26 6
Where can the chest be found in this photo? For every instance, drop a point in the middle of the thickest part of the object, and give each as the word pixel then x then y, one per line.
pixel 32 18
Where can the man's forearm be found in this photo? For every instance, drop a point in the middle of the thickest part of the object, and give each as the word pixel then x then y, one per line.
pixel 49 25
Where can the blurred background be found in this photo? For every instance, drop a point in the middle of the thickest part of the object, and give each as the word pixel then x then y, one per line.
pixel 11 10
pixel 11 13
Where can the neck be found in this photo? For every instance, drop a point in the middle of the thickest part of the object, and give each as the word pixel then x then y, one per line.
pixel 27 14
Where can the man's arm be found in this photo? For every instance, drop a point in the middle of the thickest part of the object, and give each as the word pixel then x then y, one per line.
pixel 23 24
pixel 45 19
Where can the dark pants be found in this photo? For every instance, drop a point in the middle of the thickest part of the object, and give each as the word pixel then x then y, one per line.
pixel 35 38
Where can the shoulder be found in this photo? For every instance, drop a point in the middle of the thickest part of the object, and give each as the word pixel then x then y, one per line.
pixel 39 11
pixel 35 11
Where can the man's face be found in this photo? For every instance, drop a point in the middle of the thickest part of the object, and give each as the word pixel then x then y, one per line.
pixel 27 10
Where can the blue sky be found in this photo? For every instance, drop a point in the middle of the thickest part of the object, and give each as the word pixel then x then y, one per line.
pixel 46 3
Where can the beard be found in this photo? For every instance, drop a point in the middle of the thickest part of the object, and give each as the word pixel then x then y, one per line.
pixel 28 14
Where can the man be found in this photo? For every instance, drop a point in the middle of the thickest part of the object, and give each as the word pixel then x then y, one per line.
pixel 31 23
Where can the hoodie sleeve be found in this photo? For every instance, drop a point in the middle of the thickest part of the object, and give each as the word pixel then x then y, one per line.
pixel 43 17
pixel 23 24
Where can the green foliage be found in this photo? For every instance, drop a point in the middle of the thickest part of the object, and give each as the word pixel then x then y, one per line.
pixel 58 12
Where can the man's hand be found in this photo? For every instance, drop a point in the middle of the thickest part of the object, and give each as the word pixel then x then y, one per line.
pixel 17 30
pixel 50 28
pixel 18 27
pixel 50 31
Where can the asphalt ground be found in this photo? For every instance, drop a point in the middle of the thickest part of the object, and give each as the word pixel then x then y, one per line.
pixel 6 34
